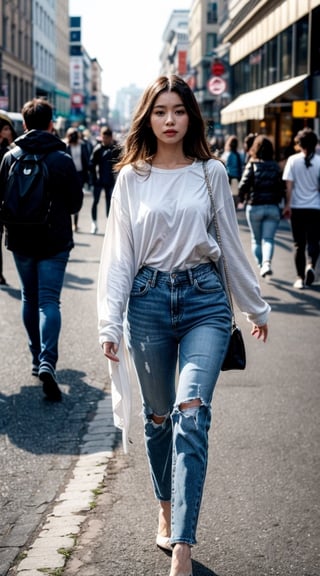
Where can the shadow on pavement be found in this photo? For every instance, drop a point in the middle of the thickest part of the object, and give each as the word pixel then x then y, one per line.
pixel 41 427
pixel 201 570
pixel 305 303
pixel 13 292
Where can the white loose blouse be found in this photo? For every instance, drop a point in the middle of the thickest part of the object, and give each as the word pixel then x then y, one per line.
pixel 161 219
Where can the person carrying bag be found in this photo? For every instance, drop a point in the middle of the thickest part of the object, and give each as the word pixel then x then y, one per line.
pixel 161 298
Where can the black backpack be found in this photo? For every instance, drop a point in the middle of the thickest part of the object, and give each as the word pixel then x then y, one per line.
pixel 26 198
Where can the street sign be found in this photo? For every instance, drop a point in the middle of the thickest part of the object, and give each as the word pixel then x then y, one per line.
pixel 217 68
pixel 304 108
pixel 216 85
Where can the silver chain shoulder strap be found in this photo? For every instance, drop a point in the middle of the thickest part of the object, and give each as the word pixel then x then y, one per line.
pixel 218 238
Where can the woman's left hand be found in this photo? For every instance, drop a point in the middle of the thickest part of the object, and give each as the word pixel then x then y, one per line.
pixel 260 332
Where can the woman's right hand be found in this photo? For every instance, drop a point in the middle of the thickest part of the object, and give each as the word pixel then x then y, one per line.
pixel 110 350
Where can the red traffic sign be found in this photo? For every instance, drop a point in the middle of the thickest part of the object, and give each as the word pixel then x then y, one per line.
pixel 216 85
pixel 217 68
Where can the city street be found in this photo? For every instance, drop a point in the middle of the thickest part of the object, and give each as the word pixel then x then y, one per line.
pixel 260 513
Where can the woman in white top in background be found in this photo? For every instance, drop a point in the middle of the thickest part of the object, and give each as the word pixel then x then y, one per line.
pixel 158 272
pixel 302 176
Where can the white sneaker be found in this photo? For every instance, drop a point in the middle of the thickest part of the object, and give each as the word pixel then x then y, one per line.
pixel 299 284
pixel 94 228
pixel 266 269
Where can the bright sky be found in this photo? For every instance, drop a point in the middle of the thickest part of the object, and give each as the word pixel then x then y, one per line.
pixel 126 38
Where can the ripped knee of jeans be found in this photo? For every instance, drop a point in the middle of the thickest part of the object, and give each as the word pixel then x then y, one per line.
pixel 192 413
pixel 189 407
pixel 157 420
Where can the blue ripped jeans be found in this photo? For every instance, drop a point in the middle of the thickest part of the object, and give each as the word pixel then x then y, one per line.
pixel 182 317
pixel 263 221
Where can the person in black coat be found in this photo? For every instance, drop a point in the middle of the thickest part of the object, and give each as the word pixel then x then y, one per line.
pixel 41 253
pixel 103 158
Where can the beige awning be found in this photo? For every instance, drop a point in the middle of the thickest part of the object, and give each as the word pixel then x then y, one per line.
pixel 250 106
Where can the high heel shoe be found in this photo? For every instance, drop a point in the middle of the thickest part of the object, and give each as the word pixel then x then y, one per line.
pixel 163 542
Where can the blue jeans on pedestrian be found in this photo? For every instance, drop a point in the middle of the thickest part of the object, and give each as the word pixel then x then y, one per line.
pixel 41 284
pixel 182 317
pixel 263 221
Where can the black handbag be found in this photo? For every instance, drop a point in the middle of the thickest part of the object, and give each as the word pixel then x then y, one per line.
pixel 235 358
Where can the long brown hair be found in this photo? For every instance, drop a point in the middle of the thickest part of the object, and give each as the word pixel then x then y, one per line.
pixel 262 148
pixel 141 143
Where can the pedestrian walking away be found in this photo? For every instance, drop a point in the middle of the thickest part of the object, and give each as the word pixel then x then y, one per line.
pixel 234 165
pixel 159 271
pixel 261 189
pixel 7 136
pixel 102 161
pixel 79 153
pixel 41 250
pixel 301 174
pixel 247 143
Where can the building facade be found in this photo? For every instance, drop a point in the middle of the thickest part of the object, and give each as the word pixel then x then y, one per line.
pixel 174 54
pixel 96 101
pixel 274 50
pixel 61 96
pixel 16 67
pixel 204 22
pixel 86 92
pixel 44 40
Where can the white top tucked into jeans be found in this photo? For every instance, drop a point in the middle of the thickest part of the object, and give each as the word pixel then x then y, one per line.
pixel 161 219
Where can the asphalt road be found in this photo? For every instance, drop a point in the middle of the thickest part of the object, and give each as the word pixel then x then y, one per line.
pixel 260 512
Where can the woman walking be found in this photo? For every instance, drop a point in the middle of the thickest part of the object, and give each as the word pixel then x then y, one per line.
pixel 159 271
pixel 261 189
pixel 302 176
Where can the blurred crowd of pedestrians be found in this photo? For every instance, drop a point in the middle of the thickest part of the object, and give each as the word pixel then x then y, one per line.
pixel 268 190
pixel 265 189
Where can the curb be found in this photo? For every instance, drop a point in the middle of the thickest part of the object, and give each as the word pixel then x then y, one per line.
pixel 52 547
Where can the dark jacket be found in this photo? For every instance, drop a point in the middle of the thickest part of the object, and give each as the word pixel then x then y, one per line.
pixel 102 161
pixel 65 190
pixel 4 147
pixel 261 183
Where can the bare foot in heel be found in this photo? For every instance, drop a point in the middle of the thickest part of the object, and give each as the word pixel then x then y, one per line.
pixel 164 526
pixel 181 564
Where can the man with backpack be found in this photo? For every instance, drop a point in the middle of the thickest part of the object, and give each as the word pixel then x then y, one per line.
pixel 39 191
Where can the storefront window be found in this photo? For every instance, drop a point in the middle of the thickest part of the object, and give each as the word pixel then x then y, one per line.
pixel 286 54
pixel 255 69
pixel 272 61
pixel 301 56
